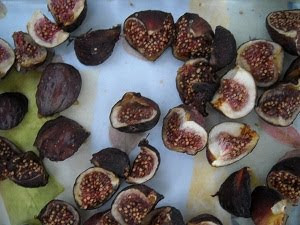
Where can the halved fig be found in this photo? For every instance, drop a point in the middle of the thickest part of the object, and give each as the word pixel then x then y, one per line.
pixel 93 48
pixel 229 142
pixel 7 57
pixel 145 164
pixel 236 95
pixel 44 32
pixel 101 218
pixel 13 108
pixel 182 130
pixel 280 105
pixel 196 83
pixel 193 37
pixel 59 212
pixel 284 28
pixel 27 170
pixel 68 14
pixel 205 219
pixel 293 72
pixel 114 160
pixel 134 113
pixel 235 193
pixel 28 53
pixel 150 32
pixel 166 215
pixel 133 204
pixel 58 89
pixel 263 59
pixel 60 138
pixel 267 207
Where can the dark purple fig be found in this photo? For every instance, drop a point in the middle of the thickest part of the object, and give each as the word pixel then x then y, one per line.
pixel 68 14
pixel 133 203
pixel 235 193
pixel 193 37
pixel 101 218
pixel 283 27
pixel 134 113
pixel 166 215
pixel 205 219
pixel 58 89
pixel 93 48
pixel 293 72
pixel 94 186
pixel 183 130
pixel 236 95
pixel 145 164
pixel 58 212
pixel 229 142
pixel 60 138
pixel 149 32
pixel 13 108
pixel 114 160
pixel 27 170
pixel 7 57
pixel 267 207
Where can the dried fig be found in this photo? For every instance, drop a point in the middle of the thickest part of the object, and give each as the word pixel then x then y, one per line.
pixel 7 57
pixel 166 215
pixel 293 72
pixel 205 219
pixel 101 218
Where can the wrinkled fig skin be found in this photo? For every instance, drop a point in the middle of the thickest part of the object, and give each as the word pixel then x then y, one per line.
pixel 58 89
pixel 13 108
pixel 93 48
pixel 203 219
pixel 293 72
pixel 101 218
pixel 60 138
pixel 114 160
pixel 166 215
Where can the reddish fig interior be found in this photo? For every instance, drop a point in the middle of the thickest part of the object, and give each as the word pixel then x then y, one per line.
pixel 285 21
pixel 133 113
pixel 63 9
pixel 45 29
pixel 142 165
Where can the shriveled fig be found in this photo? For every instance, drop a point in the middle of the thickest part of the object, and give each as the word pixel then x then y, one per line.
pixel 280 105
pixel 229 142
pixel 13 108
pixel 134 113
pixel 263 59
pixel 150 32
pixel 235 193
pixel 93 48
pixel 7 57
pixel 68 14
pixel 293 72
pixel 284 28
pixel 114 160
pixel 133 204
pixel 60 138
pixel 101 218
pixel 145 164
pixel 44 32
pixel 59 212
pixel 182 130
pixel 166 215
pixel 205 219
pixel 58 89
pixel 236 95
pixel 27 170
pixel 267 207
pixel 193 37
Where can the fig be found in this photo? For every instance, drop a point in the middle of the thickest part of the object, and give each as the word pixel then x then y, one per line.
pixel 223 48
pixel 182 130
pixel 94 187
pixel 149 32
pixel 134 113
pixel 236 95
pixel 58 89
pixel 268 207
pixel 235 193
pixel 44 32
pixel 101 218
pixel 68 14
pixel 13 108
pixel 229 142
pixel 114 160
pixel 93 48
pixel 28 53
pixel 145 164
pixel 263 59
pixel 60 138
pixel 280 105
pixel 196 83
pixel 283 27
pixel 7 57
pixel 27 170
pixel 133 204
pixel 193 37
pixel 293 72
pixel 166 215
pixel 59 212
pixel 205 219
